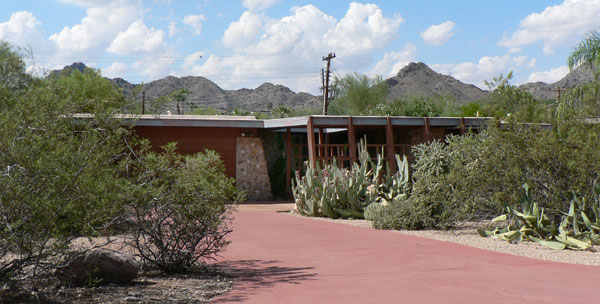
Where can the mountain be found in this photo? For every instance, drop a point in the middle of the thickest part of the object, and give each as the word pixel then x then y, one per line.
pixel 203 93
pixel 417 79
pixel 541 90
pixel 67 70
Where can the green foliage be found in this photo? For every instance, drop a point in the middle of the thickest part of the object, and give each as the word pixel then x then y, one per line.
pixel 427 205
pixel 57 173
pixel 472 109
pixel 587 52
pixel 354 93
pixel 180 97
pixel 204 111
pixel 509 102
pixel 180 207
pixel 240 112
pixel 281 111
pixel 531 224
pixel 415 106
pixel 13 76
pixel 338 192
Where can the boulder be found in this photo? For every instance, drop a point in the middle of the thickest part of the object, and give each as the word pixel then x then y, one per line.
pixel 99 266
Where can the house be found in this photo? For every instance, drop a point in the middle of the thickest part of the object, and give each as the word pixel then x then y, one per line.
pixel 249 147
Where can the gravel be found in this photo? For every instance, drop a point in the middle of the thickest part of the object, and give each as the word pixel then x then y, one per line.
pixel 467 235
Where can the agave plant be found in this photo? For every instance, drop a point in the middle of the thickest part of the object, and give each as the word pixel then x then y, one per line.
pixel 339 192
pixel 532 225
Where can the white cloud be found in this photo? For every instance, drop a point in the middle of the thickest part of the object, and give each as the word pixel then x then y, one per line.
pixel 392 62
pixel 267 48
pixel 475 73
pixel 173 30
pixel 99 3
pixel 438 34
pixel 519 60
pixel 550 76
pixel 558 25
pixel 21 29
pixel 117 69
pixel 155 65
pixel 195 21
pixel 532 62
pixel 258 5
pixel 362 29
pixel 138 38
pixel 99 28
pixel 244 31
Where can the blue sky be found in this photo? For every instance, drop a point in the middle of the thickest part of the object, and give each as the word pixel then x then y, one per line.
pixel 243 43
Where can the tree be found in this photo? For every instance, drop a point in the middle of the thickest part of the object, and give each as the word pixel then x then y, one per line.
pixel 355 93
pixel 57 172
pixel 588 51
pixel 584 99
pixel 509 102
pixel 13 74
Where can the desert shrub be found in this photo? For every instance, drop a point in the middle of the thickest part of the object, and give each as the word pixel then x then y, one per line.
pixel 417 106
pixel 180 208
pixel 406 214
pixel 427 205
pixel 476 176
pixel 555 163
pixel 354 93
pixel 57 173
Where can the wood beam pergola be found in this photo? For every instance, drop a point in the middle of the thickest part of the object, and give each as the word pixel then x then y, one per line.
pixel 426 129
pixel 389 141
pixel 310 135
pixel 288 162
pixel 351 141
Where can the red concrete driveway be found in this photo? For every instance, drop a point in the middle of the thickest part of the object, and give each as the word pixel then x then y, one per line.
pixel 280 258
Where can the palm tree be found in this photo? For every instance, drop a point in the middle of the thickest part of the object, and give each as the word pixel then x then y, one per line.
pixel 588 51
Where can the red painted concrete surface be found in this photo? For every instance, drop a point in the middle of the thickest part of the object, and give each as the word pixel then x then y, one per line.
pixel 280 258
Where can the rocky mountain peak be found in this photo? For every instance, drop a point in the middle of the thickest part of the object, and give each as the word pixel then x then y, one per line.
pixel 413 68
pixel 417 79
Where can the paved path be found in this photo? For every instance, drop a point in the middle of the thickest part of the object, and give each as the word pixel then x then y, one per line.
pixel 280 258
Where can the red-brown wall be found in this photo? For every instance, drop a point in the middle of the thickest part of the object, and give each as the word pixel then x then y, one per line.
pixel 197 139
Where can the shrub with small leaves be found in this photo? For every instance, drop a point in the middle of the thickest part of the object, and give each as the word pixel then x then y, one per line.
pixel 180 207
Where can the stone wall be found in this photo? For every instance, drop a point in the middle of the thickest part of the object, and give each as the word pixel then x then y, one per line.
pixel 252 175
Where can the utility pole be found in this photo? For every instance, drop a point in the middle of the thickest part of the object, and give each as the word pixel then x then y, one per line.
pixel 326 90
pixel 558 90
pixel 143 102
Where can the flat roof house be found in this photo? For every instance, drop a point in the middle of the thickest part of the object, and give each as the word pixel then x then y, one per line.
pixel 239 140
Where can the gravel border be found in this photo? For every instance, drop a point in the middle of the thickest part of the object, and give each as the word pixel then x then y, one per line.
pixel 468 236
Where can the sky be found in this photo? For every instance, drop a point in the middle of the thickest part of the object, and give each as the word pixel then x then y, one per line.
pixel 244 43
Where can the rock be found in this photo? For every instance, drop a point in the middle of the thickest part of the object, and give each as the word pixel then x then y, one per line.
pixel 99 266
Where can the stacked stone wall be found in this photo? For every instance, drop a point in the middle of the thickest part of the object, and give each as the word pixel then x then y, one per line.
pixel 252 175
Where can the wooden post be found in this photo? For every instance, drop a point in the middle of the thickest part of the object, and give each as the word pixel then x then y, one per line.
pixel 462 125
pixel 426 129
pixel 310 136
pixel 321 151
pixel 389 140
pixel 351 141
pixel 288 162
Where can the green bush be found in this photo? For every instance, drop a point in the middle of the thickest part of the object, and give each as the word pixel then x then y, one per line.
pixel 427 205
pixel 180 207
pixel 57 173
